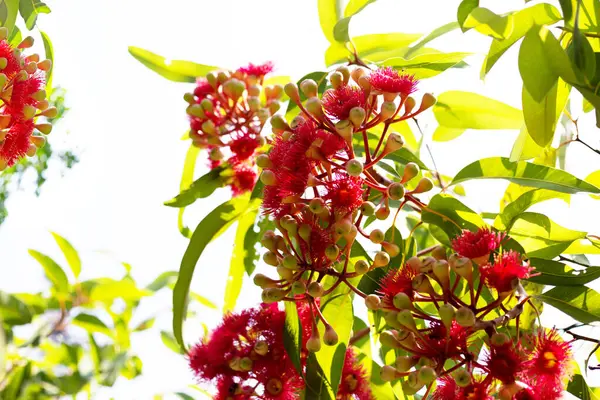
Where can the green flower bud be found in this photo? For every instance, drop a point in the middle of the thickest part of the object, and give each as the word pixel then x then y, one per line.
pixel 336 79
pixel 447 313
pixel 377 236
pixel 357 116
pixel 254 90
pixel 332 252
pixel 290 262
pixel 270 258
pixel 268 178
pixel 215 154
pixel 499 339
pixel 297 121
pixel 424 185
pixel 272 295
pixel 314 106
pixel 316 205
pixel 402 301
pixel 394 142
pixel 439 253
pixel 409 104
pixel 330 337
pixel 387 373
pixel 298 288
pixel 395 191
pixel 291 89
pixel 462 377
pixel 309 88
pixel 263 161
pixel 361 267
pixel 388 108
pixel 313 344
pixel 381 259
pixel 405 363
pixel 382 212
pixel 373 302
pixel 315 289
pixel 426 375
pixel 345 73
pixel 245 364
pixel 354 167
pixel 285 273
pixel 427 101
pixel 263 281
pixel 304 231
pixel 465 317
pixel 345 129
pixel 253 103
pixel 410 171
pixel 367 208
pixel 392 249
pixel 406 319
pixel 279 123
pixel 261 347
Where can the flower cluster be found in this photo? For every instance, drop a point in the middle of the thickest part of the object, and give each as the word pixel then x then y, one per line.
pixel 22 82
pixel 245 358
pixel 322 180
pixel 227 111
pixel 435 308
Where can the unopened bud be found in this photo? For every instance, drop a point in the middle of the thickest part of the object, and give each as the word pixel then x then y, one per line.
pixel 377 236
pixel 268 177
pixel 361 267
pixel 209 127
pixel 382 212
pixel 426 375
pixel 234 88
pixel 270 258
pixel 345 73
pixel 31 67
pixel 3 62
pixel 441 271
pixel 274 106
pixel 297 121
pixel 412 384
pixel 415 263
pixel 26 43
pixel 357 116
pixel 421 284
pixel 394 142
pixel 465 317
pixel 263 161
pixel 424 185
pixel 207 105
pixel 304 231
pixel 315 289
pixel 3 33
pixel 367 208
pixel 381 259
pixel 298 288
pixel 388 109
pixel 332 252
pixel 315 107
pixel 405 363
pixel 345 129
pixel 354 167
pixel 402 301
pixel 254 90
pixel 343 226
pixel 279 123
pixel 313 344
pixel 316 205
pixel 463 267
pixel 330 337
pixel 387 373
pixel 272 295
pixel 285 273
pixel 31 150
pixel 50 112
pixel 395 191
pixel 289 261
pixel 291 89
pixel 336 79
pixel 373 302
pixel 391 248
pixel 409 104
pixel 499 339
pixel 364 83
pixel 427 101
pixel 195 110
pixel 253 103
pixel 261 347
pixel 462 377
pixel 406 319
pixel 38 141
pixel 357 73
pixel 245 364
pixel 309 88
pixel 263 281
pixel 28 112
pixel 439 253
pixel 447 313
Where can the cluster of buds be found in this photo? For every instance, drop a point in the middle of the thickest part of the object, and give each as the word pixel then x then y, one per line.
pixel 245 358
pixel 436 311
pixel 22 81
pixel 227 112
pixel 320 192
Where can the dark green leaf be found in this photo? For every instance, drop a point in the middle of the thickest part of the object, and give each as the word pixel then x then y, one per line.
pixel 30 9
pixel 53 271
pixel 317 387
pixel 558 274
pixel 581 303
pixel 524 173
pixel 582 56
pixel 162 281
pixel 567 9
pixel 464 9
pixel 209 228
pixel 465 110
pixel 184 396
pixel 16 380
pixel 49 50
pixel 70 253
pixel 201 188
pixel 92 324
pixel 511 211
pixel 292 335
pixel 174 70
pixel 450 215
pixel 13 311
pixel 579 388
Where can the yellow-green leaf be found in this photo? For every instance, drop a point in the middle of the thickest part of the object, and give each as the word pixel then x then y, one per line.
pixel 53 271
pixel 426 65
pixel 174 70
pixel 330 12
pixel 374 47
pixel 594 179
pixel 445 134
pixel 488 23
pixel 69 252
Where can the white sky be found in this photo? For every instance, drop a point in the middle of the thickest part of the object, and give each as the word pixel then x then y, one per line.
pixel 126 122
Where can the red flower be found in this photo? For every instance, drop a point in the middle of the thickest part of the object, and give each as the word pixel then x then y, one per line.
pixel 337 103
pixel 438 344
pixel 354 384
pixel 243 147
pixel 507 268
pixel 396 281
pixel 388 80
pixel 344 193
pixel 244 179
pixel 478 244
pixel 446 389
pixel 17 141
pixel 551 357
pixel 505 362
pixel 203 89
pixel 476 391
pixel 258 70
pixel 540 389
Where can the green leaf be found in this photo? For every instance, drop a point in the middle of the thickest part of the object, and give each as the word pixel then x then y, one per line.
pixel 319 77
pixel 426 65
pixel 53 271
pixel 464 9
pixel 92 324
pixel 523 21
pixel 451 215
pixel 434 34
pixel 465 110
pixel 579 388
pixel 556 57
pixel 14 311
pixel 582 55
pixel 199 189
pixel 187 177
pixel 8 14
pixel 567 9
pixel 70 253
pixel 174 70
pixel 594 179
pixel 216 222
pixel 339 313
pixel 16 380
pixel 330 12
pixel 374 47
pixel 488 23
pixel 509 214
pixel 169 341
pixel 30 9
pixel 113 369
pixel 203 300
pixel 49 51
pixel 106 290
pixel 538 77
pixel 317 387
pixel 524 173
pixel 144 325
pixel 162 280
pixel 558 274
pixel 445 134
pixel 581 303
pixel 292 335
pixel 244 256
pixel 340 30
